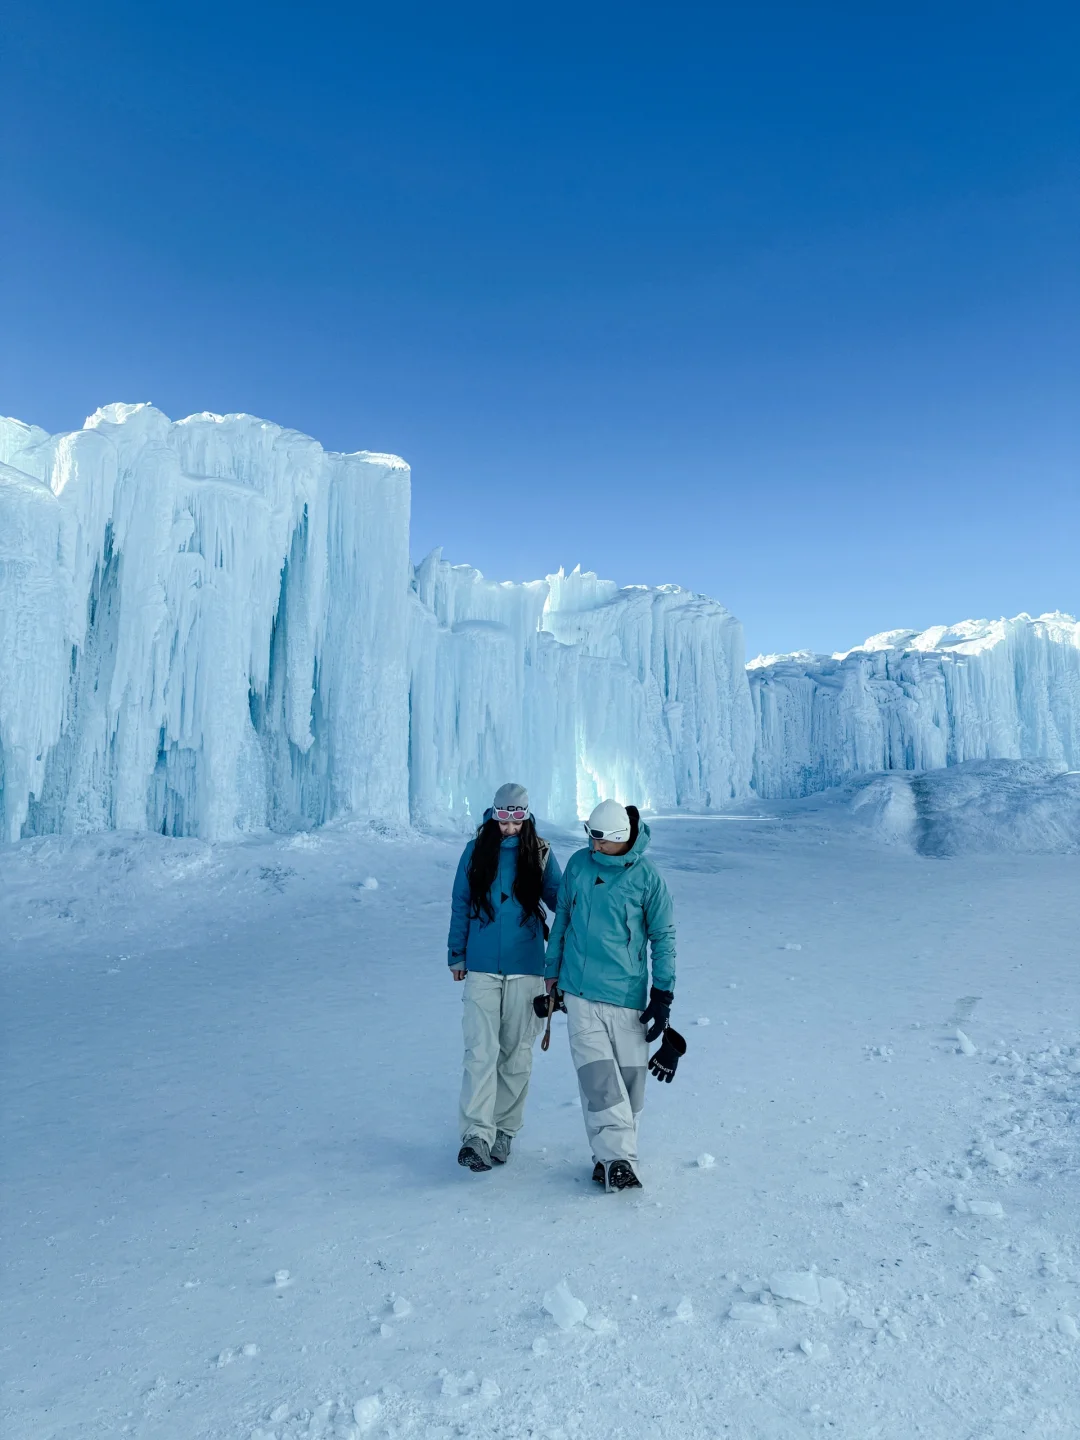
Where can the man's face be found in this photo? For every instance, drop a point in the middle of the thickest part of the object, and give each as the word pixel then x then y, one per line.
pixel 611 847
pixel 510 827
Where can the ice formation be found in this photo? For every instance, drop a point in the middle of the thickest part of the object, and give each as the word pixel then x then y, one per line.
pixel 588 690
pixel 211 626
pixel 201 627
pixel 1001 689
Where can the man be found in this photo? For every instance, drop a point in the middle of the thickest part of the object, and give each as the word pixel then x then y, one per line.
pixel 613 907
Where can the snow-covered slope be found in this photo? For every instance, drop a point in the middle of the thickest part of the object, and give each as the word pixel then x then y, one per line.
pixel 212 625
pixel 1002 689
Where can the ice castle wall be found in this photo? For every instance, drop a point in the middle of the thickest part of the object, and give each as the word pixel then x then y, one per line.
pixel 201 629
pixel 212 625
pixel 588 690
pixel 1002 689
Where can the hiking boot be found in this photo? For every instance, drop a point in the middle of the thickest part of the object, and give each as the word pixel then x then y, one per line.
pixel 474 1154
pixel 598 1174
pixel 620 1176
pixel 500 1151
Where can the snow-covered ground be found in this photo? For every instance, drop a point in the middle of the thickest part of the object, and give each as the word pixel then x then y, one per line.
pixel 232 1208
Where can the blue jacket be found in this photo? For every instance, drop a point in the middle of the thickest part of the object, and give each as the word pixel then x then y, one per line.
pixel 611 909
pixel 503 946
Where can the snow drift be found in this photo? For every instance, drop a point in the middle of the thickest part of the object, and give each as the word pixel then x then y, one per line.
pixel 212 626
pixel 1002 689
pixel 975 808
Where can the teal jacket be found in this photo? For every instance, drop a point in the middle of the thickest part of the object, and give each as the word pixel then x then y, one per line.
pixel 611 909
pixel 503 946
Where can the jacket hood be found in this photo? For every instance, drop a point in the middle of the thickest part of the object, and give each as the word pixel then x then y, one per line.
pixel 632 856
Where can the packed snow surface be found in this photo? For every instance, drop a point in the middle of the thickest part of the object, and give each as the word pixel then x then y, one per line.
pixel 233 1212
pixel 212 626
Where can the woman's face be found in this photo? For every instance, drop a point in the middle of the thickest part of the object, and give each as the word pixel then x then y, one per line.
pixel 510 827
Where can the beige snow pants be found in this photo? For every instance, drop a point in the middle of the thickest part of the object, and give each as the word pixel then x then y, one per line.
pixel 500 1029
pixel 607 1044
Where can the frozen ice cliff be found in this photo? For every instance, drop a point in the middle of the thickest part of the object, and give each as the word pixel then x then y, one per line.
pixel 587 689
pixel 212 625
pixel 1001 689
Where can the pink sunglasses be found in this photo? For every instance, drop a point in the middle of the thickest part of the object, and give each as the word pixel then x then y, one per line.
pixel 518 813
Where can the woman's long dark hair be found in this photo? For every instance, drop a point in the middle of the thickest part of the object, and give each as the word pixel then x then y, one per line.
pixel 484 866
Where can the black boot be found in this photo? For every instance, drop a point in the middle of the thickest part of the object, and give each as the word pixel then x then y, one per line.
pixel 475 1154
pixel 620 1176
pixel 598 1174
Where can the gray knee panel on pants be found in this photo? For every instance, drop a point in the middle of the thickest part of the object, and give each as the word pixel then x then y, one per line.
pixel 633 1077
pixel 599 1081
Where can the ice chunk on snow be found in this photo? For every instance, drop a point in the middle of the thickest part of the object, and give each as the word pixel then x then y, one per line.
pixel 563 1308
pixel 834 1296
pixel 964 1044
pixel 706 1161
pixel 489 1389
pixel 684 1310
pixel 366 1412
pixel 1068 1327
pixel 455 1385
pixel 282 1278
pixel 370 883
pixel 401 1307
pixel 800 1285
pixel 989 1209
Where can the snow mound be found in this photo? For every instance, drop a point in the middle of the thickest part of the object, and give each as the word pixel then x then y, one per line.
pixel 1030 806
pixel 1021 806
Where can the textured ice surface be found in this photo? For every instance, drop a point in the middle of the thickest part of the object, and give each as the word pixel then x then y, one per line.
pixel 587 689
pixel 212 626
pixel 1001 689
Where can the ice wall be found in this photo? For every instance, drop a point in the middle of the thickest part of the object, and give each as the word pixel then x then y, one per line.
pixel 201 627
pixel 587 690
pixel 212 625
pixel 1002 689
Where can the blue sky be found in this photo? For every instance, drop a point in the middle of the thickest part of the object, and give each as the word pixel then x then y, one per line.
pixel 781 303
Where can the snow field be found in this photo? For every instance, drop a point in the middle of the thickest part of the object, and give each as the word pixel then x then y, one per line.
pixel 230 1085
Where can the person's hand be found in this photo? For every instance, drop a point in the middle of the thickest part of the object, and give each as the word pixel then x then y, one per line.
pixel 541 1003
pixel 458 972
pixel 549 985
pixel 657 1012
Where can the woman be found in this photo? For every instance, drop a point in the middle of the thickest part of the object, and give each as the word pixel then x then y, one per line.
pixel 613 906
pixel 496 944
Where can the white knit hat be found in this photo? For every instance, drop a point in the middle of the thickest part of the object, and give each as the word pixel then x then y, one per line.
pixel 609 821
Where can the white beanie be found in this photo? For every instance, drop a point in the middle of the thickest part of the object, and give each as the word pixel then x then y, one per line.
pixel 611 820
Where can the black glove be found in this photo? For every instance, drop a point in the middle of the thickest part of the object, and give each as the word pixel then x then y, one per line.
pixel 540 1003
pixel 665 1062
pixel 657 1012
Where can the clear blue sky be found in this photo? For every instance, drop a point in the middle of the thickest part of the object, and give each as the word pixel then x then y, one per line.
pixel 781 303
